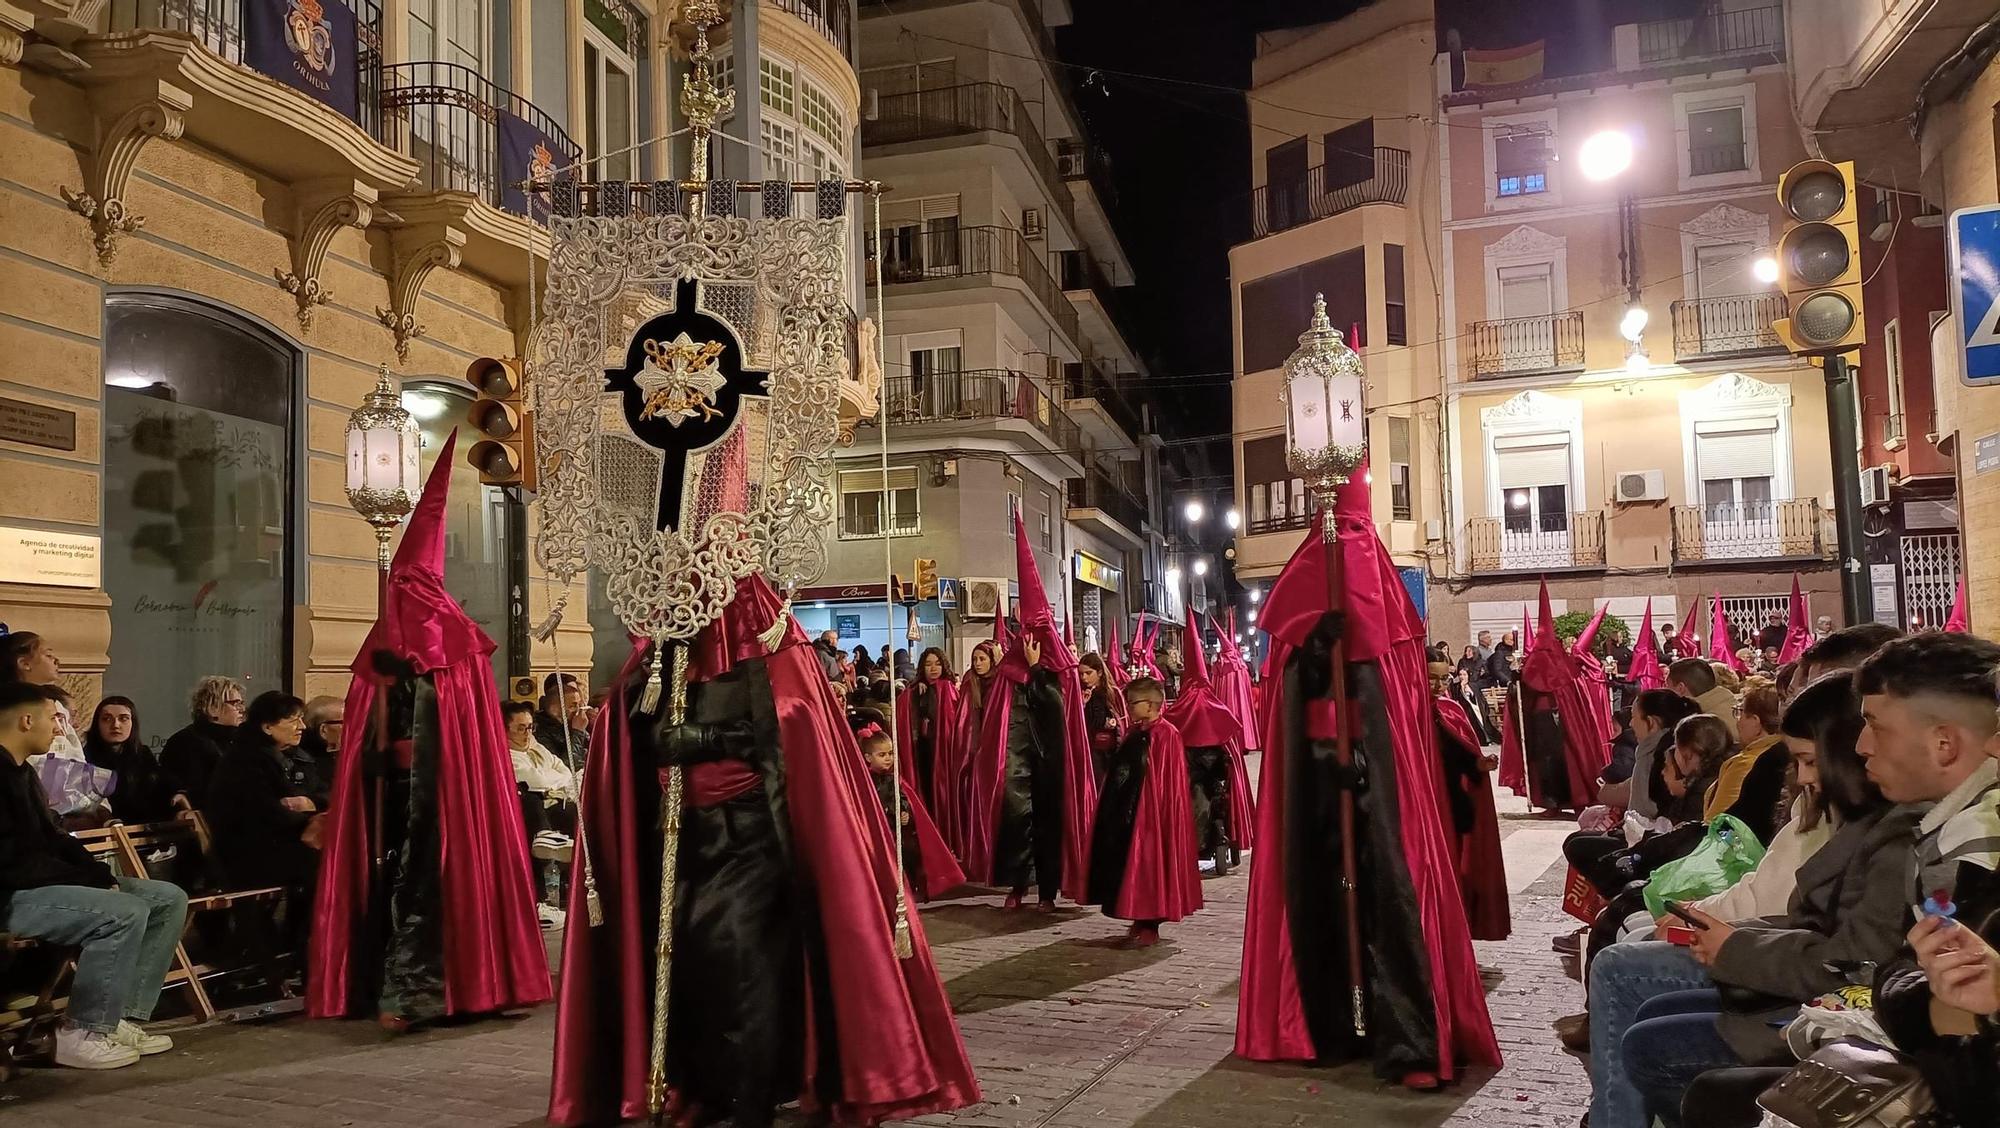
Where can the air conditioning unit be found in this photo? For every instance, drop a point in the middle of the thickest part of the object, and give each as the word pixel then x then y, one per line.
pixel 984 598
pixel 1875 485
pixel 1642 485
pixel 1032 226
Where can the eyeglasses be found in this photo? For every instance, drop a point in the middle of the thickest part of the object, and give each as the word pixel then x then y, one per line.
pixel 232 702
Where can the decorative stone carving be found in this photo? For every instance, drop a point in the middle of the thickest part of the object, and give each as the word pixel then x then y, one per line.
pixel 417 251
pixel 156 110
pixel 319 210
pixel 1735 387
pixel 1726 219
pixel 1526 240
pixel 1532 404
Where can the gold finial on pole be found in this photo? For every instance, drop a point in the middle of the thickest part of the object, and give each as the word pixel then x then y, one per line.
pixel 701 102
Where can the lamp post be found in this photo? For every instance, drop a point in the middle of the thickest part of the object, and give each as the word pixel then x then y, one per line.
pixel 1326 441
pixel 383 452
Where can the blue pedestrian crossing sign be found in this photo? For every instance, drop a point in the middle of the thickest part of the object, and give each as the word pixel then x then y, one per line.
pixel 1975 290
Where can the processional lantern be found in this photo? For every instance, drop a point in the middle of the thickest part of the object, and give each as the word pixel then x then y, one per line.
pixel 1326 423
pixel 383 451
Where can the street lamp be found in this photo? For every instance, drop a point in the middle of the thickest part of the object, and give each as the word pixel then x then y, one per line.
pixel 1173 577
pixel 1193 511
pixel 1605 154
pixel 1326 441
pixel 1765 270
pixel 383 451
pixel 1256 595
pixel 1232 518
pixel 1201 567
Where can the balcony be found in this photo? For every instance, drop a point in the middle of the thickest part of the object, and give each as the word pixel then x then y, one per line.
pixel 976 253
pixel 1714 35
pixel 1762 531
pixel 978 400
pixel 1547 542
pixel 1284 519
pixel 1078 159
pixel 831 18
pixel 1528 346
pixel 963 110
pixel 1095 397
pixel 1733 326
pixel 451 118
pixel 1100 499
pixel 1283 206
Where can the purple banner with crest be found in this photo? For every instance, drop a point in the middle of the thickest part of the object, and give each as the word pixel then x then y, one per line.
pixel 526 153
pixel 308 45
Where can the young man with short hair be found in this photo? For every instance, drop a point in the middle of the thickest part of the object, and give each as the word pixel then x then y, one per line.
pixel 1843 649
pixel 1694 679
pixel 125 927
pixel 1928 704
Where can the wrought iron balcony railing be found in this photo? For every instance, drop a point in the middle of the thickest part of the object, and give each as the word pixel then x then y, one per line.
pixel 831 18
pixel 1736 325
pixel 1282 205
pixel 1524 346
pixel 1092 381
pixel 1758 530
pixel 1101 491
pixel 1713 35
pixel 990 394
pixel 968 252
pixel 1536 542
pixel 1708 160
pixel 1080 160
pixel 450 118
pixel 969 107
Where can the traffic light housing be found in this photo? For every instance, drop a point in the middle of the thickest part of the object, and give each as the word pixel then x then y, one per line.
pixel 1819 260
pixel 504 455
pixel 927 579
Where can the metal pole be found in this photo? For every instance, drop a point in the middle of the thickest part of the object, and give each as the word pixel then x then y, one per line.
pixel 518 654
pixel 1343 719
pixel 1855 598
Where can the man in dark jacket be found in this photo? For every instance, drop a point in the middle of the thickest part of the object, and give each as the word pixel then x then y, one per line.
pixel 309 767
pixel 190 755
pixel 556 722
pixel 1928 701
pixel 126 928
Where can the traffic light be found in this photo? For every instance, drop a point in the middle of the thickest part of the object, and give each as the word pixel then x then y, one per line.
pixel 927 579
pixel 1819 260
pixel 505 452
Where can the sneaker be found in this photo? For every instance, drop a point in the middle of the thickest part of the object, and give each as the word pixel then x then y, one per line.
pixel 551 917
pixel 554 839
pixel 78 1048
pixel 1573 1031
pixel 1569 943
pixel 128 1034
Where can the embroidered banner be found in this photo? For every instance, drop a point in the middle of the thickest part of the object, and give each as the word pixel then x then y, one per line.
pixel 526 153
pixel 308 45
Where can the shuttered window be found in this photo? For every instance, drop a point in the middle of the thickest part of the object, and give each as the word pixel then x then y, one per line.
pixel 1736 449
pixel 862 511
pixel 1527 461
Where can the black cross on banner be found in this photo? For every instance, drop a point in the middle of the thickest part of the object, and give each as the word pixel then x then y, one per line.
pixel 682 388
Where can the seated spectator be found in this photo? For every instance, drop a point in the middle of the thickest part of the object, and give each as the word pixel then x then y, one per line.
pixel 28 658
pixel 548 809
pixel 1928 700
pixel 310 766
pixel 1843 649
pixel 1659 1015
pixel 1694 679
pixel 259 818
pixel 125 928
pixel 1751 785
pixel 141 791
pixel 560 725
pixel 190 755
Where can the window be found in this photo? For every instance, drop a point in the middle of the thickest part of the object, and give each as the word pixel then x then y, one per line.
pixel 1715 141
pixel 1736 461
pixel 1349 154
pixel 724 59
pixel 1527 291
pixel 908 78
pixel 862 509
pixel 781 149
pixel 1276 500
pixel 1520 162
pixel 450 141
pixel 802 128
pixel 1400 503
pixel 1396 327
pixel 610 100
pixel 1892 367
pixel 1285 184
pixel 921 236
pixel 1278 307
pixel 1534 482
pixel 775 86
pixel 820 114
pixel 1046 526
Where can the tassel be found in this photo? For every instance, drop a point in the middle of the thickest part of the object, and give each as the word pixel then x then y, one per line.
pixel 649 700
pixel 775 633
pixel 905 946
pixel 593 905
pixel 547 626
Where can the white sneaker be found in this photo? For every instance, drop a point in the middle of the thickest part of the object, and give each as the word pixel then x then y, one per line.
pixel 551 917
pixel 128 1034
pixel 78 1048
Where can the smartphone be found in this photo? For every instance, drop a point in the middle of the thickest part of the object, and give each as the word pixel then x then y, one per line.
pixel 1678 934
pixel 1681 911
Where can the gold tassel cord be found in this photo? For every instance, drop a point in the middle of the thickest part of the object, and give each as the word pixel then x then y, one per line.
pixel 663 947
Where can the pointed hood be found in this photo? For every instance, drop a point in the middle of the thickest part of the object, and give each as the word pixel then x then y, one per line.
pixel 1038 618
pixel 1548 663
pixel 1584 641
pixel 420 623
pixel 1645 670
pixel 1528 627
pixel 1960 619
pixel 1684 642
pixel 1719 649
pixel 1194 662
pixel 1798 625
pixel 1226 635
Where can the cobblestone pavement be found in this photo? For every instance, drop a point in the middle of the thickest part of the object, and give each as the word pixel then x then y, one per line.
pixel 1065 1031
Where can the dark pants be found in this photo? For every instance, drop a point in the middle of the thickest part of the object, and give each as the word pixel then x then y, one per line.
pixel 1727 1098
pixel 1208 794
pixel 1030 851
pixel 1672 1041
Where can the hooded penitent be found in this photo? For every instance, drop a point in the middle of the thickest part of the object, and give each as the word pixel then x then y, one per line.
pixel 1475 822
pixel 448 926
pixel 1686 643
pixel 1597 680
pixel 1214 740
pixel 1050 734
pixel 1142 863
pixel 1232 684
pixel 1798 624
pixel 1960 619
pixel 1719 647
pixel 1645 673
pixel 1568 743
pixel 1425 1008
pixel 786 981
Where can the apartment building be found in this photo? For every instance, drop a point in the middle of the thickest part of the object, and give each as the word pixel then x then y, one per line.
pixel 216 233
pixel 1009 375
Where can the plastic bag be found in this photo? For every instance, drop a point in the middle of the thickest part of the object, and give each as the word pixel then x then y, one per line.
pixel 1727 852
pixel 73 786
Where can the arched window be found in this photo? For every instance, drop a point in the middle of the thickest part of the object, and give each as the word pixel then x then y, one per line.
pixel 475 530
pixel 200 412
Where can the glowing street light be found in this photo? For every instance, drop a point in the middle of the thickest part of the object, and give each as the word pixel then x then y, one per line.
pixel 1765 270
pixel 1232 518
pixel 1173 577
pixel 1193 511
pixel 1201 567
pixel 1256 595
pixel 1606 154
pixel 1633 324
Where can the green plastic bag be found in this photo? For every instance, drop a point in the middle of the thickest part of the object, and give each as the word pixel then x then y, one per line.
pixel 1727 852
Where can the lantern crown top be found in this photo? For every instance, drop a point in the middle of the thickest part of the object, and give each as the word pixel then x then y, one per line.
pixel 1322 350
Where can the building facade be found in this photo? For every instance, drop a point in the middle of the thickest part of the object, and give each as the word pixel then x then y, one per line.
pixel 1008 379
pixel 216 236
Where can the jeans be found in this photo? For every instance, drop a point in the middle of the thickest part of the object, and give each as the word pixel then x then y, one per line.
pixel 1673 1041
pixel 127 936
pixel 1622 977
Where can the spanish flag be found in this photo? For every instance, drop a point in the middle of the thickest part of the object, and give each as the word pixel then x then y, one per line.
pixel 1503 66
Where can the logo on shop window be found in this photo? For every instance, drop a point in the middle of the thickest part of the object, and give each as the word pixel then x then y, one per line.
pixel 309 34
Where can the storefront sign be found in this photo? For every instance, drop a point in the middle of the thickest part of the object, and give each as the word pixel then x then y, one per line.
pixel 37 425
pixel 847 626
pixel 1986 454
pixel 31 556
pixel 834 593
pixel 308 45
pixel 1096 572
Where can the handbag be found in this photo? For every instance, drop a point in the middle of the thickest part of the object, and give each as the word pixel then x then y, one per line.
pixel 1852 1084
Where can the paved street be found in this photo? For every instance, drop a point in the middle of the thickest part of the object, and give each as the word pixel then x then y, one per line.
pixel 1064 1030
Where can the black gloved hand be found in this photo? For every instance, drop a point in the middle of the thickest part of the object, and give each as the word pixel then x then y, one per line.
pixel 693 743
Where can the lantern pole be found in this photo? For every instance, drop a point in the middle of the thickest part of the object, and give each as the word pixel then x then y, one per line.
pixel 1324 390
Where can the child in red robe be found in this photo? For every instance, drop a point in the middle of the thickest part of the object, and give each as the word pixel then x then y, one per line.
pixel 1142 861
